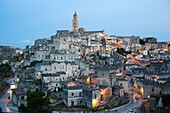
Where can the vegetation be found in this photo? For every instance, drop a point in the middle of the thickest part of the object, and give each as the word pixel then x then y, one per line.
pixel 36 102
pixel 15 59
pixel 37 82
pixel 122 51
pixel 23 109
pixel 142 42
pixel 3 85
pixel 165 99
pixel 5 71
pixel 0 109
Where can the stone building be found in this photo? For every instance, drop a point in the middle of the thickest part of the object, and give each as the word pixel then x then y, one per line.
pixel 72 96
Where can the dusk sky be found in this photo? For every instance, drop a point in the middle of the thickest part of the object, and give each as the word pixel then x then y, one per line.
pixel 23 21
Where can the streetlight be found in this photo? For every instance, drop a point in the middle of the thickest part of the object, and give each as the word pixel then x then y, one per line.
pixel 148 96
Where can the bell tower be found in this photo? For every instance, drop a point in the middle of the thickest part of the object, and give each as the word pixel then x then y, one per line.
pixel 75 22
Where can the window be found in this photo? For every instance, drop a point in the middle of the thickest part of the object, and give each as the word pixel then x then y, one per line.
pixel 72 94
pixel 95 96
pixel 38 56
pixel 54 68
pixel 72 103
pixel 54 58
pixel 75 57
pixel 22 97
pixel 80 94
pixel 62 66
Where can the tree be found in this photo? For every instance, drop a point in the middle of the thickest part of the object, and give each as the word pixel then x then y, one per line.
pixel 23 109
pixel 6 71
pixel 37 102
pixel 166 100
pixel 120 51
pixel 0 109
pixel 142 42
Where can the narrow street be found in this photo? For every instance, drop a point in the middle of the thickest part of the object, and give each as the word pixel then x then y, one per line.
pixel 125 109
pixel 4 100
pixel 136 107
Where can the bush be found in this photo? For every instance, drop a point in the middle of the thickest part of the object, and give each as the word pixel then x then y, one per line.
pixel 35 101
pixel 5 71
pixel 122 51
pixel 23 109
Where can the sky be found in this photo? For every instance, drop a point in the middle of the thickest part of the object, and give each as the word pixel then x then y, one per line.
pixel 23 21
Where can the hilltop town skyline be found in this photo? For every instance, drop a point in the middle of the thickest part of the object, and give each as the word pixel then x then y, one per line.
pixel 88 56
pixel 21 25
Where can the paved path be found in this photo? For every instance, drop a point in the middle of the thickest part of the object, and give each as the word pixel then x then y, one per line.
pixel 125 109
pixel 4 100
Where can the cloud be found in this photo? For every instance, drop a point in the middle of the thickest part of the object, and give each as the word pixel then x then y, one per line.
pixel 27 41
pixel 17 42
pixel 22 41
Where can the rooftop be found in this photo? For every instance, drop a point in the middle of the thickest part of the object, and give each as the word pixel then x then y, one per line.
pixel 18 92
pixel 73 88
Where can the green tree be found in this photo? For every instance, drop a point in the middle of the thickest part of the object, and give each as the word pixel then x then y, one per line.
pixel 120 51
pixel 0 109
pixel 142 42
pixel 36 102
pixel 23 109
pixel 5 71
pixel 166 100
